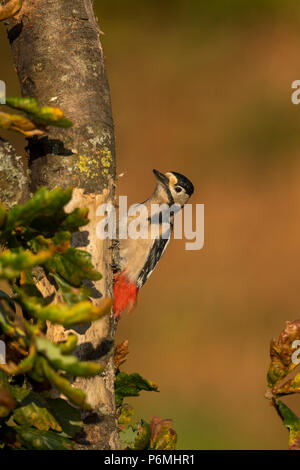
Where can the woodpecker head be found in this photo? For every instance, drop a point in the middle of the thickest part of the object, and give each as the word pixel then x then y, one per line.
pixel 174 186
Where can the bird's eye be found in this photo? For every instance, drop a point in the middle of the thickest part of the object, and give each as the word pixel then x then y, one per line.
pixel 178 189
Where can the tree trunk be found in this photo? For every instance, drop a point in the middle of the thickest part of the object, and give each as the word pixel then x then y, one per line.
pixel 14 184
pixel 59 60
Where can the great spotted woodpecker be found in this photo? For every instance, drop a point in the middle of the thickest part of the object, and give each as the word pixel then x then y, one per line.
pixel 138 257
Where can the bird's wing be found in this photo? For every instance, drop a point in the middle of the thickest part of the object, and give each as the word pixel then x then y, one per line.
pixel 156 252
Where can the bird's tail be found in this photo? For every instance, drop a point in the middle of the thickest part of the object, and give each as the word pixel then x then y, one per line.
pixel 125 294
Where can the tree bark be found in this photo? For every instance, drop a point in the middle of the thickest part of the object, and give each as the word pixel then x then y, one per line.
pixel 59 60
pixel 14 183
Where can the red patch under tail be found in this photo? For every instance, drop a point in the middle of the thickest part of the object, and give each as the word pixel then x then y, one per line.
pixel 125 294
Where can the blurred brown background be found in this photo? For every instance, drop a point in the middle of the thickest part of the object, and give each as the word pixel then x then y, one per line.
pixel 204 88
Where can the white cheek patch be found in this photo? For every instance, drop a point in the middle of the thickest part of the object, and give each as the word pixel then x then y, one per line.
pixel 172 178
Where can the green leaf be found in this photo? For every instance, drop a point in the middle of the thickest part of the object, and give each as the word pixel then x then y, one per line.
pixel 126 415
pixel 45 115
pixel 127 437
pixel 62 314
pixel 33 411
pixel 68 346
pixel 37 373
pixel 135 437
pixel 71 295
pixel 68 417
pixel 29 287
pixel 74 266
pixel 131 385
pixel 44 209
pixel 6 322
pixel 292 422
pixel 143 437
pixel 75 395
pixel 69 364
pixel 33 439
pixel 60 242
pixel 19 393
pixel 12 263
pixel 76 219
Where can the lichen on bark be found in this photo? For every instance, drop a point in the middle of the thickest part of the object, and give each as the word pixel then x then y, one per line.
pixel 14 184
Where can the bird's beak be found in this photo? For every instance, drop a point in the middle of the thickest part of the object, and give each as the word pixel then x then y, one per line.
pixel 161 177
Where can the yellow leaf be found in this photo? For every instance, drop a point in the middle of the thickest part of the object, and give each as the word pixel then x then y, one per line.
pixel 10 9
pixel 55 113
pixel 19 123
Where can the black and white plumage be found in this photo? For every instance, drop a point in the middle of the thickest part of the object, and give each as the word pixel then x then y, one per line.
pixel 139 257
